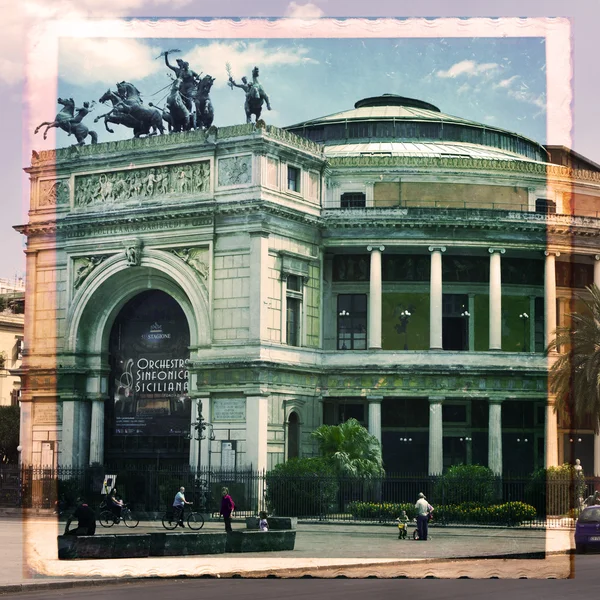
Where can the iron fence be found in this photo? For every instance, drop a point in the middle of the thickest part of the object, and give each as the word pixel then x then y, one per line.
pixel 315 497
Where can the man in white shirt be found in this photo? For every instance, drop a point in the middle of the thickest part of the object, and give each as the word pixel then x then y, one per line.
pixel 423 511
pixel 178 505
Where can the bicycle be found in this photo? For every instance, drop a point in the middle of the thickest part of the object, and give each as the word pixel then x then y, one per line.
pixel 195 520
pixel 108 518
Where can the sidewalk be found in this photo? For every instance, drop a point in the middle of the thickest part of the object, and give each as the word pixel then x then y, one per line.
pixel 322 550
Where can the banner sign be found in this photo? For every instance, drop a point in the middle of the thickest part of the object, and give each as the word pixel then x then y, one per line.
pixel 150 376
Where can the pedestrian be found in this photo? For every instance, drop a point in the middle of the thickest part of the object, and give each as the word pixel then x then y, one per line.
pixel 424 510
pixel 593 499
pixel 86 519
pixel 402 522
pixel 227 508
pixel 115 504
pixel 263 524
pixel 179 505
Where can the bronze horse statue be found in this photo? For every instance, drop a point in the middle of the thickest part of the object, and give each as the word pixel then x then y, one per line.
pixel 69 122
pixel 205 113
pixel 128 110
pixel 255 96
pixel 181 118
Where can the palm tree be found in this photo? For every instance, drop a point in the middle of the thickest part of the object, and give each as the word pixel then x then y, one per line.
pixel 352 449
pixel 575 376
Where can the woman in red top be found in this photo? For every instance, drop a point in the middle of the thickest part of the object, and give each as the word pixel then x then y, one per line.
pixel 227 508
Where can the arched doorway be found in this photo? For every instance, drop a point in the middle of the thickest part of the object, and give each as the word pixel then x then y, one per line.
pixel 293 436
pixel 148 417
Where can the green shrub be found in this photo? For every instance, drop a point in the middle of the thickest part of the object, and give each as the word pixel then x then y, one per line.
pixel 555 490
pixel 302 487
pixel 383 511
pixel 466 483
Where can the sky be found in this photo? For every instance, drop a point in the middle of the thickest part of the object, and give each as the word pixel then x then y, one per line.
pixel 497 81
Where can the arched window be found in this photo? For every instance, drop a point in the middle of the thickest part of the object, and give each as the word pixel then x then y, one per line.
pixel 293 436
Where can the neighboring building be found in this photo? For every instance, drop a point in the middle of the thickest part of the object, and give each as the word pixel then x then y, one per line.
pixel 389 263
pixel 12 295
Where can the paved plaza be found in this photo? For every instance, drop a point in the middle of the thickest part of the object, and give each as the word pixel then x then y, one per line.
pixel 30 547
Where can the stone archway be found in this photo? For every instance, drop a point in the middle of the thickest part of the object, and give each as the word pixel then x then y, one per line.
pixel 93 311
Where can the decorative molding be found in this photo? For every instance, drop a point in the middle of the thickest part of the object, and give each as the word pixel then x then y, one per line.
pixel 438 248
pixel 549 252
pixel 371 248
pixel 235 170
pixel 83 266
pixel 53 192
pixel 133 253
pixel 196 258
pixel 142 184
pixel 499 250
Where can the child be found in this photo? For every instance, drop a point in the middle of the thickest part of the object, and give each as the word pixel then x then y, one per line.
pixel 402 521
pixel 263 524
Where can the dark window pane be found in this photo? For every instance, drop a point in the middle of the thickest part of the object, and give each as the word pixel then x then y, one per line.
pixel 454 413
pixel 353 200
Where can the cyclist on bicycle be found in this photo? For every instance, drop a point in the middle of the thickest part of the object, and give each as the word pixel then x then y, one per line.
pixel 115 504
pixel 178 506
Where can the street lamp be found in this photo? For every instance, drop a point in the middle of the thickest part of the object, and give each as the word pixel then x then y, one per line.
pixel 404 316
pixel 344 314
pixel 200 426
pixel 525 319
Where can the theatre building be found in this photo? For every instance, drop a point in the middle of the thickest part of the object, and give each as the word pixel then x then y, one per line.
pixel 390 263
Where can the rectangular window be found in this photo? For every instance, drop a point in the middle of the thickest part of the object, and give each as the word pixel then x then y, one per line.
pixel 353 200
pixel 293 321
pixel 455 322
pixel 293 179
pixel 352 322
pixel 543 205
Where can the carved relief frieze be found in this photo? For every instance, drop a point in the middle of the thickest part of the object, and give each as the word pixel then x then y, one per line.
pixel 53 192
pixel 196 258
pixel 142 184
pixel 83 266
pixel 236 170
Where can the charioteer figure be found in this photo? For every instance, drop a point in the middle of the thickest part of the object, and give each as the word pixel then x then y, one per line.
pixel 255 95
pixel 189 79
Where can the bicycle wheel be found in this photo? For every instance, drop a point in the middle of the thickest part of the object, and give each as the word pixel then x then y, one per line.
pixel 195 521
pixel 106 519
pixel 129 520
pixel 169 521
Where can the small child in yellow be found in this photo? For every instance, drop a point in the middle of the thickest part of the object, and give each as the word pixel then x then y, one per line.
pixel 402 521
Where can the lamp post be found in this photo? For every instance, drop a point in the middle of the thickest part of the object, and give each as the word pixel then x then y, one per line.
pixel 404 317
pixel 200 426
pixel 525 319
pixel 343 314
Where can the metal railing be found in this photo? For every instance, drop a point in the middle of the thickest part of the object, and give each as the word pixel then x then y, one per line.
pixel 313 497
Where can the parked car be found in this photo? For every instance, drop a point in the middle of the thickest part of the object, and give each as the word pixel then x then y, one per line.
pixel 587 529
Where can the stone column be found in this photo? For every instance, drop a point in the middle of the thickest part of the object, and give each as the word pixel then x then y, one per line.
pixel 375 416
pixel 69 453
pixel 436 436
pixel 551 434
pixel 258 310
pixel 550 296
pixel 435 298
pixel 495 299
pixel 26 433
pixel 495 436
pixel 374 325
pixel 97 433
pixel 257 414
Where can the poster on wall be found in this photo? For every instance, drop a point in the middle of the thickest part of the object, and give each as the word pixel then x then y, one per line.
pixel 150 374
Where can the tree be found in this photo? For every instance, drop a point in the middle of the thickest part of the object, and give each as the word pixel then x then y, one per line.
pixel 352 449
pixel 575 375
pixel 9 434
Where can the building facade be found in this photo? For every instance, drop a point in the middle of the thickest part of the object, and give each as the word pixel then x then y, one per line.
pixel 389 263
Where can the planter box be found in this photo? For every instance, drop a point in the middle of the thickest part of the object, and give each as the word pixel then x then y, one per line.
pixel 275 523
pixel 86 546
pixel 260 541
pixel 186 544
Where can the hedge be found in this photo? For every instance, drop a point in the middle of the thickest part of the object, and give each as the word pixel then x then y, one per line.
pixel 510 513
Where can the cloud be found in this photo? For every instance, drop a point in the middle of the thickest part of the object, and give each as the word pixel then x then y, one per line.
pixel 242 58
pixel 538 100
pixel 506 83
pixel 26 15
pixel 96 60
pixel 468 68
pixel 303 11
